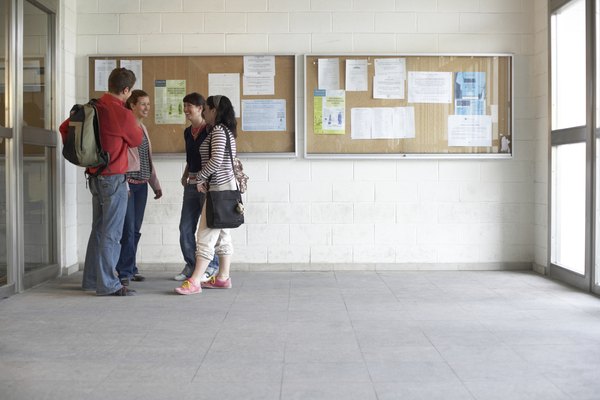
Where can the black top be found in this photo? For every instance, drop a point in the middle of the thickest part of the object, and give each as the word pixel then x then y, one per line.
pixel 192 148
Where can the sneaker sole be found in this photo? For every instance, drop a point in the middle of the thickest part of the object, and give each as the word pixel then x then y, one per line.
pixel 187 294
pixel 216 287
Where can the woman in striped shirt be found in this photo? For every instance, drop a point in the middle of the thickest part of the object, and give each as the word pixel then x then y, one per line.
pixel 215 174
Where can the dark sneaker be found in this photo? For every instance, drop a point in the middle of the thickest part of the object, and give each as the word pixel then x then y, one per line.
pixel 138 278
pixel 124 281
pixel 124 291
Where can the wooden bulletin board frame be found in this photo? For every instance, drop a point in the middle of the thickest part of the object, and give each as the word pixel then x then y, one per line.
pixel 194 69
pixel 431 119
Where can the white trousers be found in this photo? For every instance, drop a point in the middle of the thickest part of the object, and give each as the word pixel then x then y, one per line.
pixel 210 241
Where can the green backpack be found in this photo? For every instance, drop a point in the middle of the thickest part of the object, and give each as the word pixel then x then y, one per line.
pixel 82 145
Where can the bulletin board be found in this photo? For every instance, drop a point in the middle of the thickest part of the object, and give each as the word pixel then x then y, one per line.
pixel 460 106
pixel 194 70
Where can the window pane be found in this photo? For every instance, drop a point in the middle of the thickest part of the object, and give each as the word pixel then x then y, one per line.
pixel 3 34
pixel 568 66
pixel 35 39
pixel 597 227
pixel 3 226
pixel 568 207
pixel 597 77
pixel 37 160
pixel 37 208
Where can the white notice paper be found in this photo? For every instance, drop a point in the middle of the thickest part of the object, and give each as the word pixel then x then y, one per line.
pixel 329 73
pixel 136 67
pixel 356 76
pixel 226 85
pixel 470 130
pixel 388 81
pixel 361 121
pixel 259 65
pixel 383 123
pixel 386 87
pixel 102 69
pixel 393 123
pixel 259 85
pixel 429 87
pixel 263 115
pixel 395 67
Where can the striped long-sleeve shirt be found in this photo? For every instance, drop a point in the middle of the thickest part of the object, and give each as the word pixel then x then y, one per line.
pixel 216 164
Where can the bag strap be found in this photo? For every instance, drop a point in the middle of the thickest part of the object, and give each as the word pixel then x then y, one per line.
pixel 227 147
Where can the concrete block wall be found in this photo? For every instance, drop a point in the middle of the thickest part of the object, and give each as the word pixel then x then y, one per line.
pixel 359 214
pixel 72 223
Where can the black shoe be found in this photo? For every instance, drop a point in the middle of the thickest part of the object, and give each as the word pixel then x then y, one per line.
pixel 124 281
pixel 138 278
pixel 124 291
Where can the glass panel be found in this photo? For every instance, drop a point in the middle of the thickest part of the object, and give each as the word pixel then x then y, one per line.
pixel 568 207
pixel 37 207
pixel 597 77
pixel 37 160
pixel 35 39
pixel 597 207
pixel 597 150
pixel 3 38
pixel 3 226
pixel 568 66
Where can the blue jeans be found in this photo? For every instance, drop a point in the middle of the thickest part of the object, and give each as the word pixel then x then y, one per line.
pixel 136 205
pixel 188 223
pixel 109 202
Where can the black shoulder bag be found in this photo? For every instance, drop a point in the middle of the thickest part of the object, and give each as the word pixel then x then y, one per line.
pixel 224 208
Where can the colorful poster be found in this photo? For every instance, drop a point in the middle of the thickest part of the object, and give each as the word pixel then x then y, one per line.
pixel 168 101
pixel 318 95
pixel 469 93
pixel 334 112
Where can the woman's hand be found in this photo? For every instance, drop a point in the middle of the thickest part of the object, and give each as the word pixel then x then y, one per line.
pixel 157 194
pixel 202 187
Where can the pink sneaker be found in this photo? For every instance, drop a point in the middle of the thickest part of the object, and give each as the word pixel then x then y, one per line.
pixel 188 287
pixel 215 283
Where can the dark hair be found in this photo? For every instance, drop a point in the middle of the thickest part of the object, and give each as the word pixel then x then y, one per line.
pixel 195 99
pixel 133 99
pixel 225 112
pixel 120 79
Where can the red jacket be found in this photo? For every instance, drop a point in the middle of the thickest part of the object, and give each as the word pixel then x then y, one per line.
pixel 119 130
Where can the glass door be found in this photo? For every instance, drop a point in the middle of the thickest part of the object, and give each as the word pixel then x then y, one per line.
pixel 5 134
pixel 596 264
pixel 39 143
pixel 571 154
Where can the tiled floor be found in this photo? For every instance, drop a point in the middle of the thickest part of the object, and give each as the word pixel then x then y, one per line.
pixel 307 336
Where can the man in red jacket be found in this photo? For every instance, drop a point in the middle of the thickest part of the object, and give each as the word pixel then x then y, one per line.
pixel 119 130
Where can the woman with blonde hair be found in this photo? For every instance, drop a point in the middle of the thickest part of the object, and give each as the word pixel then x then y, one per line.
pixel 141 172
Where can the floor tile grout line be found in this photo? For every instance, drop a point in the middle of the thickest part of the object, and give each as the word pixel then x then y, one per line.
pixel 362 355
